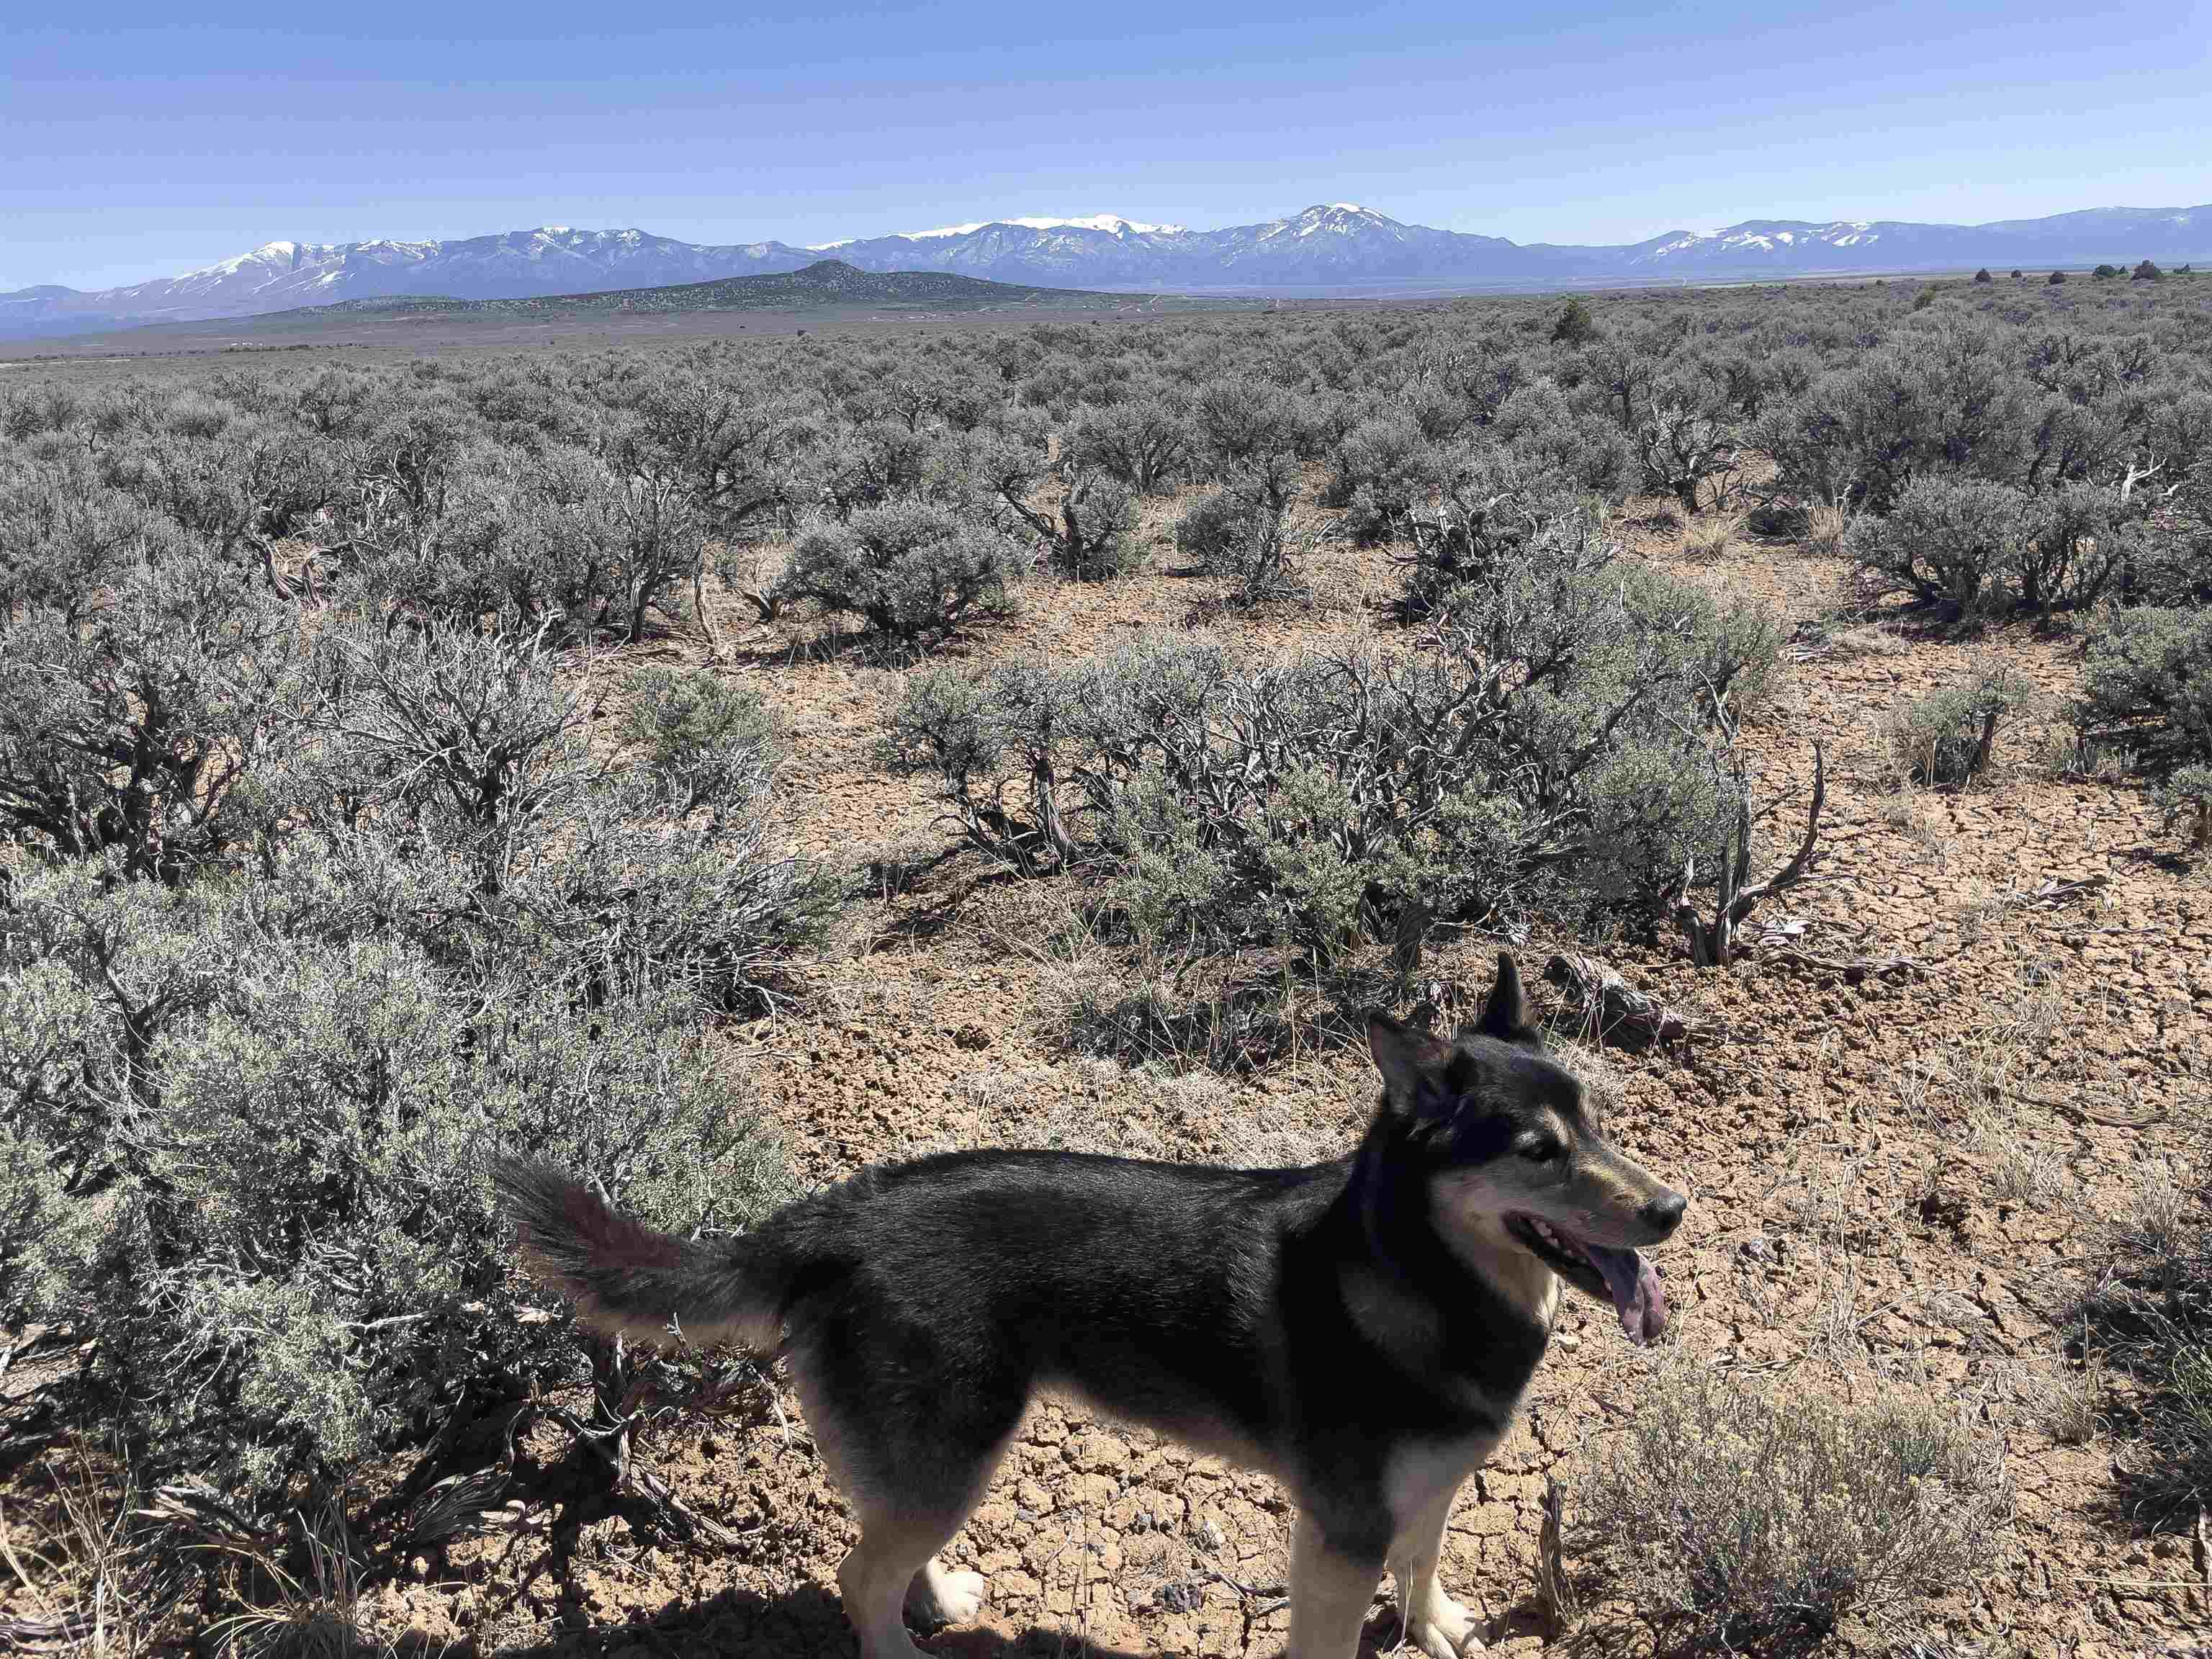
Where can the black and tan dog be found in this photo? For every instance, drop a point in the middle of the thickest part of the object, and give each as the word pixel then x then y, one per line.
pixel 1362 1330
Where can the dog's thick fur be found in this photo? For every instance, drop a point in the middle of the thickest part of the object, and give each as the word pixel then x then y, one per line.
pixel 1363 1330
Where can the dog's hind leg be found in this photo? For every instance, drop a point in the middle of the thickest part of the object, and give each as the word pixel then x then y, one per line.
pixel 1436 1625
pixel 893 1549
pixel 892 1573
pixel 912 1469
pixel 1331 1591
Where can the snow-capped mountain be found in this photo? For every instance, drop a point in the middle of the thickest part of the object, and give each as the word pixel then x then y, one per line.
pixel 1112 222
pixel 1341 242
pixel 1325 246
pixel 284 275
pixel 1762 237
pixel 1331 245
pixel 1791 247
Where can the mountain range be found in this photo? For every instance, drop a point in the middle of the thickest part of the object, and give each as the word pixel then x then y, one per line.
pixel 1337 245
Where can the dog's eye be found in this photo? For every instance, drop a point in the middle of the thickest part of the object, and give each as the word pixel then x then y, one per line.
pixel 1541 1149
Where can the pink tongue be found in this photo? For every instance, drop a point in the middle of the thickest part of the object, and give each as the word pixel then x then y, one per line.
pixel 1636 1291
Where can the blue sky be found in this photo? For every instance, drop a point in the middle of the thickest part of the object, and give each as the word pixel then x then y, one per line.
pixel 143 140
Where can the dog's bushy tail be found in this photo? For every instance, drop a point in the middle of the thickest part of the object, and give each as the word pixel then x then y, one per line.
pixel 624 1278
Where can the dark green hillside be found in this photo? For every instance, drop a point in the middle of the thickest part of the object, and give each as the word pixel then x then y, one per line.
pixel 826 282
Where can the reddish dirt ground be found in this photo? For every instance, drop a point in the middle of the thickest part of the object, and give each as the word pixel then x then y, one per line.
pixel 1896 1181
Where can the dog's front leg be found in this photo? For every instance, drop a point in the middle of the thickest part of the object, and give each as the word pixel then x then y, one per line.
pixel 1331 1591
pixel 1436 1625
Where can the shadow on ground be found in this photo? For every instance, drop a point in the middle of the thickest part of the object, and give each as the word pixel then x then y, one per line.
pixel 808 1622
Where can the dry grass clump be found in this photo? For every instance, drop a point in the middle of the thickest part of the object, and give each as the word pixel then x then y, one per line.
pixel 91 1562
pixel 1748 1522
pixel 314 1613
pixel 1977 1084
pixel 2065 1400
pixel 1826 523
pixel 2149 1314
pixel 77 1574
pixel 1708 539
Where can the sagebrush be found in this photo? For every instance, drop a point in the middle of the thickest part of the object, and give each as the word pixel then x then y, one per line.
pixel 1749 1522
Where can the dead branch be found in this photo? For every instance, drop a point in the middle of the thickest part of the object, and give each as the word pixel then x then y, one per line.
pixel 1555 1597
pixel 2049 895
pixel 1712 944
pixel 2081 1113
pixel 1850 969
pixel 1609 1008
pixel 2136 475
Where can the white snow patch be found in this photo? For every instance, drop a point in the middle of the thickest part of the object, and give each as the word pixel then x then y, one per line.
pixel 231 267
pixel 1112 221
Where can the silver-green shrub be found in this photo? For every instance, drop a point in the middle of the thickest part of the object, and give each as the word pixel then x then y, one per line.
pixel 1742 1520
pixel 304 917
pixel 2147 681
pixel 243 1160
pixel 1949 736
pixel 1543 749
pixel 911 570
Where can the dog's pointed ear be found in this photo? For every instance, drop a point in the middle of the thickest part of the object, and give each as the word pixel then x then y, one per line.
pixel 1407 1058
pixel 1509 1015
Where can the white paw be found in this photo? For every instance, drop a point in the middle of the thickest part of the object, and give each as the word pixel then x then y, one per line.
pixel 1446 1630
pixel 941 1597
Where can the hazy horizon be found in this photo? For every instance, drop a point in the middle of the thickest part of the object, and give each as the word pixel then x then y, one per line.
pixel 147 147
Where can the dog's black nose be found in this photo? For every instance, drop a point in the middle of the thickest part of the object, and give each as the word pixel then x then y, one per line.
pixel 1666 1212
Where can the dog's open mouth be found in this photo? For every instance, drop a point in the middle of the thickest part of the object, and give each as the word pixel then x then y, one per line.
pixel 1601 1272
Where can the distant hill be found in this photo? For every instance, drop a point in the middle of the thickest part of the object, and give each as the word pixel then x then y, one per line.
pixel 824 283
pixel 1328 246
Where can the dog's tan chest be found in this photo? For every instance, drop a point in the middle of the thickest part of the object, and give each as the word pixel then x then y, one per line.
pixel 1475 1233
